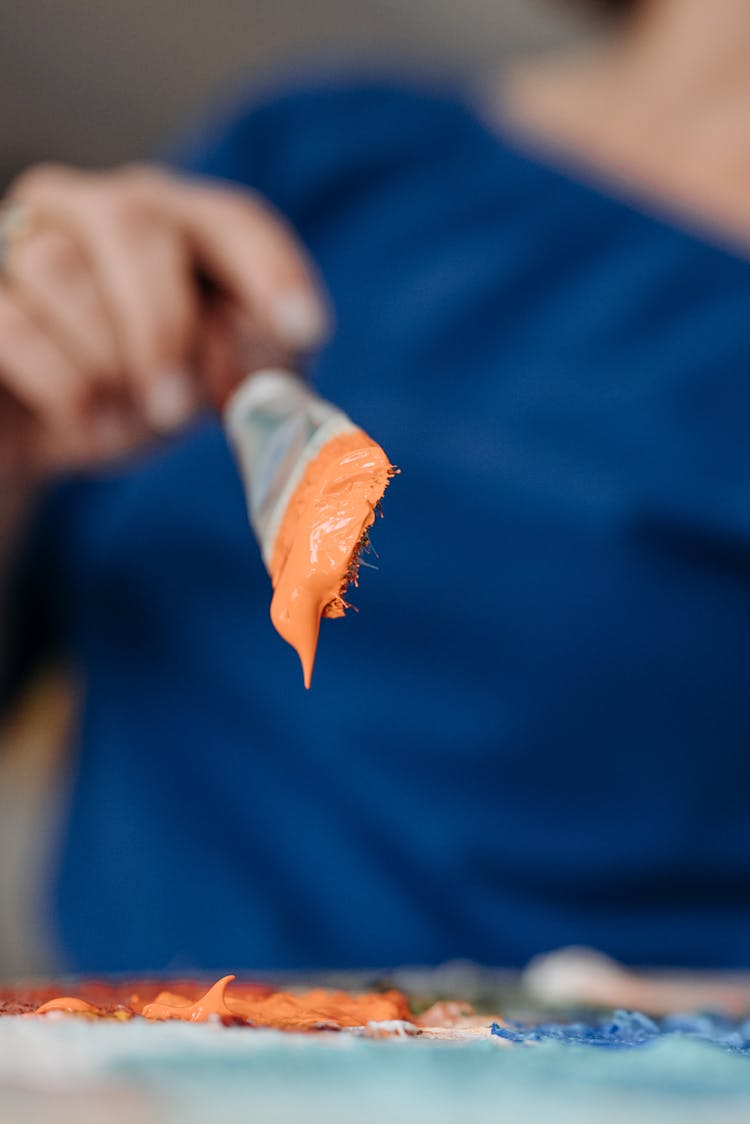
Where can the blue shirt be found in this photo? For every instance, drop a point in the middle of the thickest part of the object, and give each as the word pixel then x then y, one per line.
pixel 536 729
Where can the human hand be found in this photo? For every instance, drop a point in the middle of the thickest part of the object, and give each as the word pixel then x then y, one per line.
pixel 112 304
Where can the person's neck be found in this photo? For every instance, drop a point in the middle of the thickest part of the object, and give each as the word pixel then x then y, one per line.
pixel 688 51
pixel 675 62
pixel 686 65
pixel 664 104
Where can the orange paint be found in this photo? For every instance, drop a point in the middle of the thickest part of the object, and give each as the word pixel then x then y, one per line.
pixel 69 1004
pixel 170 1006
pixel 316 553
pixel 319 1009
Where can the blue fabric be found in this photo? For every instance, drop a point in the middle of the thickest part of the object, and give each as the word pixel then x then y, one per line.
pixel 536 729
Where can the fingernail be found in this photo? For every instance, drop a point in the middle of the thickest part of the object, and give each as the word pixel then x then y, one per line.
pixel 299 319
pixel 170 400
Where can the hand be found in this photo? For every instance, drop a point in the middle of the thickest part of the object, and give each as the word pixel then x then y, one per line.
pixel 109 305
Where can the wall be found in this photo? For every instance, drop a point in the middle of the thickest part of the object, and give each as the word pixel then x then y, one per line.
pixel 95 81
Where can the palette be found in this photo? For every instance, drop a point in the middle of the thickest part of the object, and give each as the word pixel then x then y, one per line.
pixel 441 1063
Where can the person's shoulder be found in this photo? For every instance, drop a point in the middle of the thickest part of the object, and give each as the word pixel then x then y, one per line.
pixel 300 133
pixel 358 96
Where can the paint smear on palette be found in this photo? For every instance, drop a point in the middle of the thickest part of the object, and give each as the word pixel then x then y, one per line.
pixel 319 1009
pixel 632 1029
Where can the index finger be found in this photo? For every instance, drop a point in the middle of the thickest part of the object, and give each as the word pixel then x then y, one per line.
pixel 253 255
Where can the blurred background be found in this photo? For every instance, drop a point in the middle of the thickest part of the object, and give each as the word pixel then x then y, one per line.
pixel 95 82
pixel 101 81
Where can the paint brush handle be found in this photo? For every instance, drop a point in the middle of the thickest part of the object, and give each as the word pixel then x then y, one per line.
pixel 276 425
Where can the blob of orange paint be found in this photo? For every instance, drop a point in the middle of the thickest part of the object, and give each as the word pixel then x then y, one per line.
pixel 324 528
pixel 70 1005
pixel 167 1005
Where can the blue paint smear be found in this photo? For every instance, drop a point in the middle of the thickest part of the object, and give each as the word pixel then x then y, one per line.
pixel 631 1029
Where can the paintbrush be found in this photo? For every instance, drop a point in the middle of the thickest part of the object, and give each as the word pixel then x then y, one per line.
pixel 313 482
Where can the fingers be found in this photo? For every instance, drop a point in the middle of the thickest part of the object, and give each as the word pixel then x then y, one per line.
pixel 53 279
pixel 255 259
pixel 142 271
pixel 34 369
pixel 113 270
pixel 48 416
